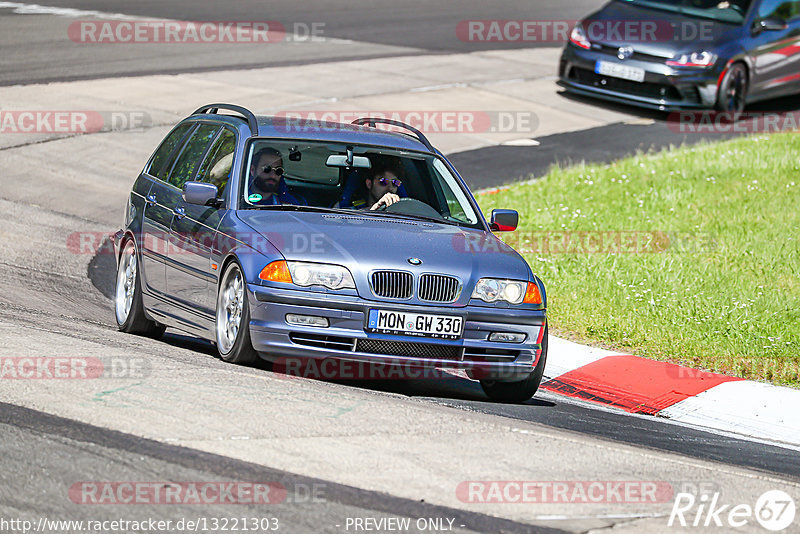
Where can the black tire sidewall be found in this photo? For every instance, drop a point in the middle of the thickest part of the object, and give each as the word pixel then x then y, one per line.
pixel 722 104
pixel 522 390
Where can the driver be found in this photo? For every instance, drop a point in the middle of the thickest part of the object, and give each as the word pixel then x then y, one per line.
pixel 382 188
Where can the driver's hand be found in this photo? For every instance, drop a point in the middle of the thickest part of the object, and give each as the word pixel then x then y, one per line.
pixel 386 200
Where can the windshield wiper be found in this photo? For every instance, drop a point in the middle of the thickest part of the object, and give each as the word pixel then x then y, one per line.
pixel 350 211
pixel 295 207
pixel 410 217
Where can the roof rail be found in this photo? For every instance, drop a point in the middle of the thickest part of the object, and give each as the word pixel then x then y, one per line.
pixel 212 109
pixel 371 121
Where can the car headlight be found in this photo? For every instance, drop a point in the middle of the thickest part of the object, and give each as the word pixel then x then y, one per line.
pixel 578 37
pixel 308 274
pixel 695 59
pixel 511 291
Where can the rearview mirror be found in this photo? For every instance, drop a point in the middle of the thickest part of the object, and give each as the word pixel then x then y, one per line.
pixel 200 193
pixel 359 162
pixel 504 221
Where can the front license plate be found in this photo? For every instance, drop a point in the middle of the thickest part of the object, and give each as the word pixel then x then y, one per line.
pixel 415 324
pixel 616 70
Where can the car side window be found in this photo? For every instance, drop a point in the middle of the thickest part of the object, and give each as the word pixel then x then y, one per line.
pixel 186 165
pixel 780 9
pixel 159 165
pixel 216 169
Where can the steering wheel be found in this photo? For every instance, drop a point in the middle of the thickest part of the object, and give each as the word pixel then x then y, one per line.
pixel 412 206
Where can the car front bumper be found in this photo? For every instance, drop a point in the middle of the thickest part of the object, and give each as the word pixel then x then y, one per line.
pixel 346 339
pixel 664 88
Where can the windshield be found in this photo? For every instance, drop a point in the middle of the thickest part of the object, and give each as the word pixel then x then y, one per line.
pixel 727 11
pixel 381 182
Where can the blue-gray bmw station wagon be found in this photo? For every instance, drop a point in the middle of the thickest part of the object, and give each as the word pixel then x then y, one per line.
pixel 283 239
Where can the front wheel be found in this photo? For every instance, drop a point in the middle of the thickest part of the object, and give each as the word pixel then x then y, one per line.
pixel 513 392
pixel 128 306
pixel 233 319
pixel 733 92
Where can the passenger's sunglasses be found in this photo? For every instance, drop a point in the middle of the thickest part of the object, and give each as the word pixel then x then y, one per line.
pixel 385 181
pixel 269 168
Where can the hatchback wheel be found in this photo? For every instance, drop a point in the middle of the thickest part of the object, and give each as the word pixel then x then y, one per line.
pixel 522 390
pixel 128 306
pixel 233 319
pixel 733 92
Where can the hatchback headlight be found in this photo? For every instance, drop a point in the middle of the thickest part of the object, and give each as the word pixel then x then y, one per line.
pixel 308 274
pixel 695 59
pixel 493 289
pixel 578 37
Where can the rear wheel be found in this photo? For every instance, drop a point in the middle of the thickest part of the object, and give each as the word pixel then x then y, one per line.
pixel 522 390
pixel 733 92
pixel 128 306
pixel 233 319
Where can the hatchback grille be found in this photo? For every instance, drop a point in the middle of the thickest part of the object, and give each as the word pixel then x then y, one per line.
pixel 409 349
pixel 646 89
pixel 438 288
pixel 392 284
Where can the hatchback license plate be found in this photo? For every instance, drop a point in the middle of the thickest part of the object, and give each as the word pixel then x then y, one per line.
pixel 616 70
pixel 415 324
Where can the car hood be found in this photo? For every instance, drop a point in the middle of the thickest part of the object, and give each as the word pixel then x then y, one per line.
pixel 365 243
pixel 674 32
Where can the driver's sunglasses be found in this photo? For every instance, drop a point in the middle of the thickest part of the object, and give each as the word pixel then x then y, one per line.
pixel 385 181
pixel 269 168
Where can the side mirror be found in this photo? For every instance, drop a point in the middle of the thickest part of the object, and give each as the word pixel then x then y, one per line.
pixel 504 221
pixel 200 193
pixel 769 24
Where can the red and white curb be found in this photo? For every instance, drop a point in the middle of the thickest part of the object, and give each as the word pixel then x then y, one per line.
pixel 684 395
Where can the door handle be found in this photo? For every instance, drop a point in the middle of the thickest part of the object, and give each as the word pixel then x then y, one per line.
pixel 179 212
pixel 151 199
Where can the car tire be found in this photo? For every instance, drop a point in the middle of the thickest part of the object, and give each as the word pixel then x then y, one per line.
pixel 732 94
pixel 232 325
pixel 128 306
pixel 514 392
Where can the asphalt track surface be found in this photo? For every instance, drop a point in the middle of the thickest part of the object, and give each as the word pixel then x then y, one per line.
pixel 37 49
pixel 136 458
pixel 92 450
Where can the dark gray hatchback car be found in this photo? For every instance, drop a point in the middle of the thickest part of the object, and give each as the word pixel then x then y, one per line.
pixel 686 54
pixel 247 231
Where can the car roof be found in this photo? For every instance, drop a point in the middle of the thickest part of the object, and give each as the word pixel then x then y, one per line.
pixel 335 131
pixel 315 130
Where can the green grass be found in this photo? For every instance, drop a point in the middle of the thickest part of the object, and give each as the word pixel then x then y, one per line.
pixel 715 283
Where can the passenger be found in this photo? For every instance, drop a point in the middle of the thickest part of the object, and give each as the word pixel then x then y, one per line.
pixel 267 186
